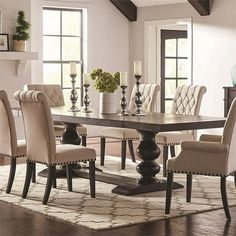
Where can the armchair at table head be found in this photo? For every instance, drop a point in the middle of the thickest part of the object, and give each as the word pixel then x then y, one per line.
pixel 149 99
pixel 39 128
pixel 213 155
pixel 187 101
pixel 54 95
pixel 9 145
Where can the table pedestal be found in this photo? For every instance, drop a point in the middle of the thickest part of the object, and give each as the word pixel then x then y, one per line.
pixel 148 151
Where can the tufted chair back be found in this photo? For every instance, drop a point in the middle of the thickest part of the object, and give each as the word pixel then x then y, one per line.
pixel 8 139
pixel 149 97
pixel 187 100
pixel 39 132
pixel 53 93
pixel 229 137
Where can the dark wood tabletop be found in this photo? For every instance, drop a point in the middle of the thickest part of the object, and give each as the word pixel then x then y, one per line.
pixel 156 122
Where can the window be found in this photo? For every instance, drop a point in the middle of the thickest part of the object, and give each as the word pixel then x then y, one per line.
pixel 174 65
pixel 62 43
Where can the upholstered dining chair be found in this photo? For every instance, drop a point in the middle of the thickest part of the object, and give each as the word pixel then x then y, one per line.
pixel 149 98
pixel 187 101
pixel 38 126
pixel 213 155
pixel 55 98
pixel 9 145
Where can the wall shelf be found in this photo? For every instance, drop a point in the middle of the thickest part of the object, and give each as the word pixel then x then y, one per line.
pixel 20 58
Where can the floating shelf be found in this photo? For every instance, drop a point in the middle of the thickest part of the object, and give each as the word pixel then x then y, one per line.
pixel 20 58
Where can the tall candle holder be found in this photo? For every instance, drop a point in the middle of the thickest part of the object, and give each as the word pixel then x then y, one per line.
pixel 123 102
pixel 86 99
pixel 138 100
pixel 73 95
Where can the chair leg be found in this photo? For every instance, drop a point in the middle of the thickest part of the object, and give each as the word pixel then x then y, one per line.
pixel 189 187
pixel 55 182
pixel 34 173
pixel 28 176
pixel 123 153
pixel 102 150
pixel 224 197
pixel 11 174
pixel 172 150
pixel 50 179
pixel 131 150
pixel 165 158
pixel 92 178
pixel 69 177
pixel 170 178
pixel 84 140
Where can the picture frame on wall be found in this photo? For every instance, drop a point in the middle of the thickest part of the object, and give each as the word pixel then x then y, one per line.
pixel 4 42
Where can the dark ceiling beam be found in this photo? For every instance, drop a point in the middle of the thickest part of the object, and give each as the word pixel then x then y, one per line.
pixel 127 8
pixel 201 6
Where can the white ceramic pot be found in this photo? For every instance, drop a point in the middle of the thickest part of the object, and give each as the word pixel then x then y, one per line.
pixel 19 46
pixel 108 103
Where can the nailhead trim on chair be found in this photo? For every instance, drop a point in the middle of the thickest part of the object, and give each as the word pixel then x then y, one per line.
pixel 62 163
pixel 168 144
pixel 196 173
pixel 120 138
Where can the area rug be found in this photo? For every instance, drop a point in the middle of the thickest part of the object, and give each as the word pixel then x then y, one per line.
pixel 110 210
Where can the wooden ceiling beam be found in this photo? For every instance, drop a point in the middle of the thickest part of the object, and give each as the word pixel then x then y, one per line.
pixel 201 6
pixel 127 8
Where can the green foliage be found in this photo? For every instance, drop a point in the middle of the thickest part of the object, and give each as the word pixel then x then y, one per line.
pixel 22 27
pixel 105 82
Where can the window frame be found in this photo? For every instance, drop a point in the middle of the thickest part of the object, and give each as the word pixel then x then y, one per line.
pixel 170 34
pixel 63 62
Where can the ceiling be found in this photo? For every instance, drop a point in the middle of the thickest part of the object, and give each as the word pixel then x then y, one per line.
pixel 144 3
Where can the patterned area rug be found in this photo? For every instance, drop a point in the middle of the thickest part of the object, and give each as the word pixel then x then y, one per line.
pixel 109 210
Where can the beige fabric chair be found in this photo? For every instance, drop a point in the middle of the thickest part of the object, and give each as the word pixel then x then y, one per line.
pixel 149 97
pixel 41 144
pixel 187 101
pixel 213 155
pixel 55 98
pixel 9 145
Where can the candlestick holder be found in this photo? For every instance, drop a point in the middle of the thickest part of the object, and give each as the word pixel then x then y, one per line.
pixel 86 99
pixel 73 95
pixel 123 102
pixel 138 100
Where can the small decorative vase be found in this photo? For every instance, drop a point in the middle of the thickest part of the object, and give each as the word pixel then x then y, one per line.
pixel 19 46
pixel 108 103
pixel 233 75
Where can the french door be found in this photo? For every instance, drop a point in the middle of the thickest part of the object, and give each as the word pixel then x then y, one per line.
pixel 174 65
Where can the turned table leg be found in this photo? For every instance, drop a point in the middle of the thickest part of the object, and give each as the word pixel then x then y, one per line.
pixel 148 151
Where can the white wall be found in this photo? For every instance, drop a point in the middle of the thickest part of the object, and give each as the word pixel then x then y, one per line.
pixel 214 47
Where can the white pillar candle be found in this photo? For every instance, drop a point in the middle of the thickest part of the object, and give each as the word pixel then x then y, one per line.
pixel 73 68
pixel 86 79
pixel 138 68
pixel 123 79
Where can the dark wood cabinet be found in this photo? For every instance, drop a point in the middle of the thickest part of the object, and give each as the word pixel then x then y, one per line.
pixel 229 95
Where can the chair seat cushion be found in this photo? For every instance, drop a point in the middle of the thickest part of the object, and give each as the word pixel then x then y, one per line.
pixel 67 153
pixel 119 133
pixel 172 138
pixel 21 148
pixel 59 129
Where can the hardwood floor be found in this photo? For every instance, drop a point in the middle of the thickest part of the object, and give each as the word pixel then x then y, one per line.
pixel 20 222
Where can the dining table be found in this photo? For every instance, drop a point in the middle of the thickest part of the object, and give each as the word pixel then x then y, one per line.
pixel 148 151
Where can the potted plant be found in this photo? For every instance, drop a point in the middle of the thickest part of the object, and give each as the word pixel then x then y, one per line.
pixel 21 35
pixel 106 84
